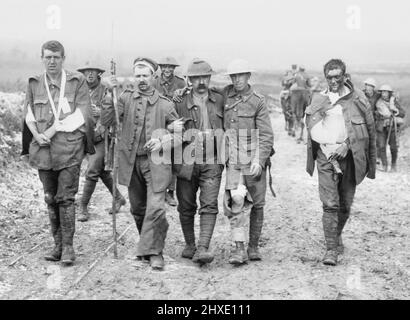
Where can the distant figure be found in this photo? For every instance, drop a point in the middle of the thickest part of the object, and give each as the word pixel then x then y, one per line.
pixel 389 116
pixel 299 99
pixel 371 93
pixel 287 112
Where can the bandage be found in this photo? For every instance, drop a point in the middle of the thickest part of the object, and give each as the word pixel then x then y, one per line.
pixel 241 191
pixel 145 64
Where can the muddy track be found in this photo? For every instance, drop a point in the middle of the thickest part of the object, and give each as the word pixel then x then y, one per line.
pixel 375 265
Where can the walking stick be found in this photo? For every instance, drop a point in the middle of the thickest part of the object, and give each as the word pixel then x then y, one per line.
pixel 114 144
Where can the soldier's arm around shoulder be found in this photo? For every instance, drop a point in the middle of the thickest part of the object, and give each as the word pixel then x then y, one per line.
pixel 264 125
pixel 402 112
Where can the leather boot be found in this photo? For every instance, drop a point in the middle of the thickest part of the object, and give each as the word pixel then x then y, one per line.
pixel 330 222
pixel 343 216
pixel 187 225
pixel 55 253
pixel 207 225
pixel 109 183
pixel 394 161
pixel 238 256
pixel 67 219
pixel 255 230
pixel 88 190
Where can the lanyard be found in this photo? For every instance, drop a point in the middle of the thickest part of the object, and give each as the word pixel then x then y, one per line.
pixel 62 92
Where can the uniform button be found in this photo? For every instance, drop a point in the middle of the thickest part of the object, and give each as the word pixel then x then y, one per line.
pixel 232 120
pixel 196 108
pixel 235 110
pixel 194 120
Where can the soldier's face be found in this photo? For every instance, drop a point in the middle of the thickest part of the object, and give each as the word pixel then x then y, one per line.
pixel 143 78
pixel 335 79
pixel 386 95
pixel 91 76
pixel 200 84
pixel 240 80
pixel 167 70
pixel 369 89
pixel 53 61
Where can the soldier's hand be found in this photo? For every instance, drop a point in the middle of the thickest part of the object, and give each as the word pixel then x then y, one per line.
pixel 255 169
pixel 341 152
pixel 112 81
pixel 42 139
pixel 95 112
pixel 177 97
pixel 153 145
pixel 178 125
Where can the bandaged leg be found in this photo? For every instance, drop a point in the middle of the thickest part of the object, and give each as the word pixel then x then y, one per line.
pixel 238 219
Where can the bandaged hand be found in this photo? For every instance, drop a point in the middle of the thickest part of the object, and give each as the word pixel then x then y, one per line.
pixel 42 139
pixel 340 152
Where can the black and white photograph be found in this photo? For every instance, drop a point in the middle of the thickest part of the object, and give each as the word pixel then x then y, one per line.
pixel 190 151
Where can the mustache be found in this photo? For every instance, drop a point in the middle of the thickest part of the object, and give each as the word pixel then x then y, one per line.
pixel 202 86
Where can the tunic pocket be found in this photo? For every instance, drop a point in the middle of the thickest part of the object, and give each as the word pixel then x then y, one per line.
pixel 360 128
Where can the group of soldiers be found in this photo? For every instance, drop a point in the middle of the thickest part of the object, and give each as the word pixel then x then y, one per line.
pixel 190 130
pixel 297 93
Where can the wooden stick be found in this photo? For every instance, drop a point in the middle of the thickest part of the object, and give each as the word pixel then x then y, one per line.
pixel 20 257
pixel 99 258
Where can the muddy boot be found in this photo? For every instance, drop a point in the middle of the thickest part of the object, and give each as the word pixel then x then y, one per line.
pixel 157 262
pixel 330 222
pixel 187 225
pixel 394 161
pixel 169 198
pixel 207 225
pixel 109 183
pixel 55 253
pixel 67 218
pixel 238 256
pixel 343 216
pixel 255 230
pixel 89 187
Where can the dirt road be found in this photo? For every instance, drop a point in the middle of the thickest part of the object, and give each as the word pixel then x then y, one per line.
pixel 375 265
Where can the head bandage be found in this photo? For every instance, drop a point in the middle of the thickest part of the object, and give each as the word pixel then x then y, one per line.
pixel 145 64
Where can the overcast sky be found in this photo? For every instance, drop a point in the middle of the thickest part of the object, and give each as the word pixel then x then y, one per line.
pixel 270 34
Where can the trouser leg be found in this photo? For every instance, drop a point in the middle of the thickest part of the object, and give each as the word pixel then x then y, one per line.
pixel 49 180
pixel 68 181
pixel 155 225
pixel 137 193
pixel 381 140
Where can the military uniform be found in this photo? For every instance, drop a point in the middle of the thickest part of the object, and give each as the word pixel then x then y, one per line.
pixel 246 111
pixel 143 116
pixel 299 99
pixel 202 169
pixel 168 87
pixel 59 162
pixel 337 191
pixel 96 162
pixel 287 112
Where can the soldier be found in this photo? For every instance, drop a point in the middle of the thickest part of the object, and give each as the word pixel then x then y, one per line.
pixel 57 132
pixel 371 93
pixel 144 114
pixel 202 111
pixel 299 99
pixel 249 140
pixel 96 162
pixel 287 112
pixel 166 84
pixel 340 128
pixel 389 116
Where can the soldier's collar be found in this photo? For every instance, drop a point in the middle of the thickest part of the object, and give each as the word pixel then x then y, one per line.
pixel 151 99
pixel 190 101
pixel 233 92
pixel 171 80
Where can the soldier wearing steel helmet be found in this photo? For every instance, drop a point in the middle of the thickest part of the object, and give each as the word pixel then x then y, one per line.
pixel 389 116
pixel 371 93
pixel 95 168
pixel 167 83
pixel 200 168
pixel 249 145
